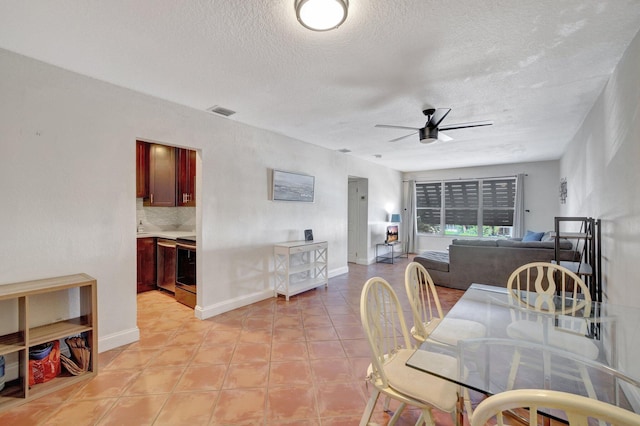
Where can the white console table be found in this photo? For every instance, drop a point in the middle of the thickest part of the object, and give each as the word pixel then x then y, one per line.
pixel 300 266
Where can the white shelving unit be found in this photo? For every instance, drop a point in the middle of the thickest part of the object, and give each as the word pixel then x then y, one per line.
pixel 79 290
pixel 300 266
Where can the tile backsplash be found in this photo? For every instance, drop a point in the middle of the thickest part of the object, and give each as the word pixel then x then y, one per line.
pixel 165 218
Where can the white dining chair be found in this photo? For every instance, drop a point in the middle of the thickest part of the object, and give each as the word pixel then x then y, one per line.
pixel 550 304
pixel 429 320
pixel 427 311
pixel 577 410
pixel 391 345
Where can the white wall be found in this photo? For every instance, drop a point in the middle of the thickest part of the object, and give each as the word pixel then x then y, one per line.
pixel 541 194
pixel 67 180
pixel 601 167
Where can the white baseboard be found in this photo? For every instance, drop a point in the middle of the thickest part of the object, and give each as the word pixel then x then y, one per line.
pixel 204 312
pixel 229 305
pixel 338 271
pixel 121 338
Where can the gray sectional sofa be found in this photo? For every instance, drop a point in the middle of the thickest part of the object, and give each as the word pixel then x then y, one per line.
pixel 488 261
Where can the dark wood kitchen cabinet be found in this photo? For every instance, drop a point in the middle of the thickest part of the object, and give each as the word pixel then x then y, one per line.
pixel 186 177
pixel 162 176
pixel 142 169
pixel 165 176
pixel 146 264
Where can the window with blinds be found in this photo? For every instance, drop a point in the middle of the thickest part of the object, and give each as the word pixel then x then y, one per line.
pixel 474 207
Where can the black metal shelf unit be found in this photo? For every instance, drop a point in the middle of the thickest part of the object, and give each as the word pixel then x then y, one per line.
pixel 585 231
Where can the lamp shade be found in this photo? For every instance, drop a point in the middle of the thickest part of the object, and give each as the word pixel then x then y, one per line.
pixel 395 218
pixel 321 15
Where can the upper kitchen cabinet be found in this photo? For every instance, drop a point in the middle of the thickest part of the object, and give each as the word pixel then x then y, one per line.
pixel 165 176
pixel 186 177
pixel 162 176
pixel 142 169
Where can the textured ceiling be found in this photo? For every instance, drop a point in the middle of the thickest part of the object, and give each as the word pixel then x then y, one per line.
pixel 532 67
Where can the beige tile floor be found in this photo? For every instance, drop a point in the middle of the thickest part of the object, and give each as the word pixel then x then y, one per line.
pixel 300 362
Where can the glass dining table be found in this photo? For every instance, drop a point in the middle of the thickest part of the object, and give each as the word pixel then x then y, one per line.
pixel 592 353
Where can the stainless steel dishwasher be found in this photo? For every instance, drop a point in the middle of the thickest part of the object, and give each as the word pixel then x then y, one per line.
pixel 166 265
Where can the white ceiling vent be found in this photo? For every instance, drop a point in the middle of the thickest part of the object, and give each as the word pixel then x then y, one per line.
pixel 216 109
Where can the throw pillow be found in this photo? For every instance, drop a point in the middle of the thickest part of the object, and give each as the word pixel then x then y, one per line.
pixel 533 236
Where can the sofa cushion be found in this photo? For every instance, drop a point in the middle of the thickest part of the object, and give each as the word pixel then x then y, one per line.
pixel 485 243
pixel 434 260
pixel 533 236
pixel 547 237
pixel 564 245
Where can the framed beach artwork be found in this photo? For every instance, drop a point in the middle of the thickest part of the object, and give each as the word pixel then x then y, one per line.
pixel 289 186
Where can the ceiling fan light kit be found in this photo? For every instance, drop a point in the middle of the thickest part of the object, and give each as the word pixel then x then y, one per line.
pixel 429 133
pixel 321 15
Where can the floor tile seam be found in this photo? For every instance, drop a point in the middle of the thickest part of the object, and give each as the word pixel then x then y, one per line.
pixel 71 396
pixel 226 370
pixel 155 419
pixel 56 409
pixel 184 370
pixel 138 367
pixel 269 420
pixel 314 386
pixel 274 385
pixel 308 317
pixel 217 401
pixel 122 391
pixel 104 415
pixel 305 360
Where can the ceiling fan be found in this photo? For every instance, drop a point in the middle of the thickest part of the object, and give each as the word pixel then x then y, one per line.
pixel 430 132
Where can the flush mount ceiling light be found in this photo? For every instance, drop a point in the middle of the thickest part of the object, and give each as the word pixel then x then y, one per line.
pixel 321 15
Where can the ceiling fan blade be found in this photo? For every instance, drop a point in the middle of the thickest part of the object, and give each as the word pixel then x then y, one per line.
pixel 402 137
pixel 444 137
pixel 466 125
pixel 437 117
pixel 388 126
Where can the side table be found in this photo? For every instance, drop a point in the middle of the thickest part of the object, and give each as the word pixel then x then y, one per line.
pixel 394 250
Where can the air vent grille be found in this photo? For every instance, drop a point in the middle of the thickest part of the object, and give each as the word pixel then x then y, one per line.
pixel 216 109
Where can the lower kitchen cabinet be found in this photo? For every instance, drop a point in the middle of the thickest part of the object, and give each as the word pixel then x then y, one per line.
pixel 26 301
pixel 146 264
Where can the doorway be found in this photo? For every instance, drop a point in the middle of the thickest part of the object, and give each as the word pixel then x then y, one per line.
pixel 166 215
pixel 357 222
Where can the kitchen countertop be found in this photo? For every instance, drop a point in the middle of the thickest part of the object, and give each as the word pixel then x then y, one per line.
pixel 171 235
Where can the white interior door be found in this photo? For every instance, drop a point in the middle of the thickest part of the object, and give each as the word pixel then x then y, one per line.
pixel 353 222
pixel 358 221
